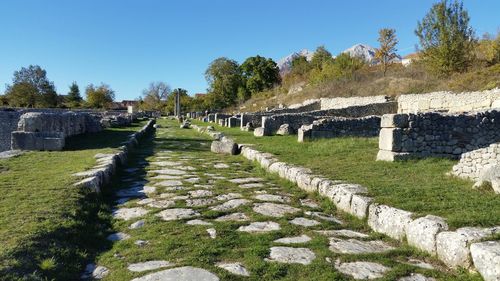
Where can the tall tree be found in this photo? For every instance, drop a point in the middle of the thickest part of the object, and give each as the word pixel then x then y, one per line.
pixel 74 97
pixel 320 56
pixel 100 96
pixel 224 78
pixel 300 66
pixel 259 74
pixel 446 39
pixel 387 50
pixel 186 101
pixel 155 96
pixel 31 88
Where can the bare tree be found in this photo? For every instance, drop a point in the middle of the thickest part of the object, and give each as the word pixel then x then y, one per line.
pixel 155 96
pixel 387 51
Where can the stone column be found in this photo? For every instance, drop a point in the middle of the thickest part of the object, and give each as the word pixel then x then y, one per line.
pixel 391 137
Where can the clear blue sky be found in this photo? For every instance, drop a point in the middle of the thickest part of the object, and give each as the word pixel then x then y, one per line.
pixel 128 44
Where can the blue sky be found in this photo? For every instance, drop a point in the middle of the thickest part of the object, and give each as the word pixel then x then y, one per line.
pixel 128 44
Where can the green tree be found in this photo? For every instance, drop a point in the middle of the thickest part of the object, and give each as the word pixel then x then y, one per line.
pixel 320 56
pixel 99 97
pixel 387 51
pixel 224 78
pixel 259 74
pixel 446 39
pixel 74 98
pixel 186 101
pixel 155 96
pixel 300 66
pixel 31 88
pixel 343 66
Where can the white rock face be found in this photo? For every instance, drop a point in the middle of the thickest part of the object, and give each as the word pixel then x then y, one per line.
pixel 235 268
pixel 486 257
pixel 148 265
pixel 362 270
pixel 292 255
pixel 257 227
pixel 129 213
pixel 353 246
pixel 186 273
pixel 285 64
pixel 177 214
pixel 231 204
pixel 388 220
pixel 422 232
pixel 274 210
pixel 293 240
pixel 304 222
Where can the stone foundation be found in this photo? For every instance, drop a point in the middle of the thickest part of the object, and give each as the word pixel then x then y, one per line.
pixel 340 126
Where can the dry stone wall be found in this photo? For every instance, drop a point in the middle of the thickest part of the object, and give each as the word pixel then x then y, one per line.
pixel 340 126
pixel 449 101
pixel 8 124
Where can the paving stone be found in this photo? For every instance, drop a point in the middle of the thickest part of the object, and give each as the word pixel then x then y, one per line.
pixel 353 246
pixel 221 166
pixel 235 268
pixel 212 232
pixel 293 240
pixel 229 196
pixel 219 178
pixel 251 185
pixel 167 195
pixel 309 203
pixel 180 197
pixel 245 180
pixel 257 227
pixel 129 213
pixel 200 193
pixel 416 277
pixel 186 273
pixel 166 177
pixel 272 198
pixel 187 168
pixel 177 214
pixel 231 204
pixel 205 186
pixel 198 222
pixel 192 180
pixel 419 263
pixel 233 217
pixel 200 202
pixel 323 216
pixel 94 272
pixel 166 163
pixel 174 188
pixel 292 255
pixel 135 191
pixel 145 201
pixel 343 232
pixel 173 172
pixel 304 222
pixel 168 183
pixel 149 265
pixel 274 210
pixel 162 204
pixel 117 236
pixel 141 243
pixel 362 270
pixel 137 224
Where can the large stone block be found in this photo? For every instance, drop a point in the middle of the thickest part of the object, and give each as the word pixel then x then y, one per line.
pixel 422 232
pixel 359 205
pixel 486 257
pixel 390 139
pixel 388 220
pixel 224 147
pixel 394 121
pixel 258 132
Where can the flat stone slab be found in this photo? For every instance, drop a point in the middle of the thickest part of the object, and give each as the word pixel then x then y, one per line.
pixel 293 240
pixel 221 166
pixel 169 183
pixel 145 201
pixel 353 246
pixel 135 191
pixel 166 177
pixel 304 222
pixel 93 271
pixel 251 185
pixel 192 180
pixel 416 277
pixel 198 222
pixel 231 204
pixel 200 202
pixel 309 203
pixel 229 196
pixel 186 273
pixel 323 216
pixel 166 163
pixel 233 217
pixel 272 198
pixel 362 270
pixel 419 263
pixel 162 204
pixel 274 210
pixel 148 265
pixel 200 193
pixel 256 227
pixel 137 224
pixel 235 268
pixel 291 255
pixel 118 236
pixel 177 214
pixel 245 180
pixel 129 213
pixel 173 172
pixel 343 233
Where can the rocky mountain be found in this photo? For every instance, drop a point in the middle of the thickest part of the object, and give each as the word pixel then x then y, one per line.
pixel 285 63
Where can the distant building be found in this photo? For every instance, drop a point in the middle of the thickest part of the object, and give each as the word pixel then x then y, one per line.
pixel 199 95
pixel 124 104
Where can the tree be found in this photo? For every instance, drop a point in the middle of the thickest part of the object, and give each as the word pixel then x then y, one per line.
pixel 99 97
pixel 224 78
pixel 31 88
pixel 259 74
pixel 300 66
pixel 387 51
pixel 186 101
pixel 446 39
pixel 155 96
pixel 74 98
pixel 320 56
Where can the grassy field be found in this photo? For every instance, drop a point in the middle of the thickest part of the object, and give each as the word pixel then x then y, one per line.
pixel 420 186
pixel 47 226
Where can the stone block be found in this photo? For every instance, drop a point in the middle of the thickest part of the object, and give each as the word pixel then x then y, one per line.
pixel 388 220
pixel 359 205
pixel 390 139
pixel 394 121
pixel 258 132
pixel 486 258
pixel 304 134
pixel 224 147
pixel 391 156
pixel 285 130
pixel 422 232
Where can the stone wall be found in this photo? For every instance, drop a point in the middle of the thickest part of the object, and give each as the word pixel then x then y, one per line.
pixel 336 103
pixel 340 126
pixel 8 124
pixel 449 101
pixel 435 134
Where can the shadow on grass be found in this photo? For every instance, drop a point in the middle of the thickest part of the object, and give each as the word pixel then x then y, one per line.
pixel 103 139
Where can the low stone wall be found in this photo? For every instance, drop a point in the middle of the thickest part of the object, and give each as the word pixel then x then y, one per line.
pixel 8 124
pixel 100 175
pixel 336 103
pixel 340 126
pixel 47 131
pixel 449 101
pixel 435 134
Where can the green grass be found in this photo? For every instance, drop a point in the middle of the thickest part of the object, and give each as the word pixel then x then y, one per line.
pixel 47 226
pixel 420 186
pixel 187 245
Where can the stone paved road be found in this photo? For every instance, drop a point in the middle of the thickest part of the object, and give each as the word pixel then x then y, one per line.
pixel 183 213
